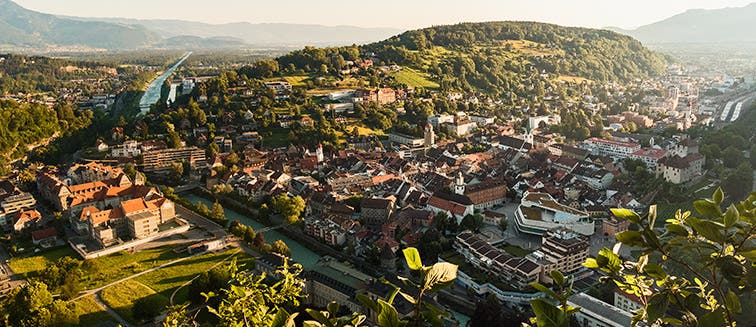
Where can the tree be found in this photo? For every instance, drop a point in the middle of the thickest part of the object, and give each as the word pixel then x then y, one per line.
pixel 432 278
pixel 177 170
pixel 488 313
pixel 217 212
pixel 732 157
pixel 33 305
pixel 259 241
pixel 289 207
pixel 147 308
pixel 281 248
pixel 503 224
pixel 697 271
pixel 472 223
pixel 249 301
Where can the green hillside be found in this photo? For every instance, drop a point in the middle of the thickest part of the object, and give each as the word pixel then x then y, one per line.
pixel 497 56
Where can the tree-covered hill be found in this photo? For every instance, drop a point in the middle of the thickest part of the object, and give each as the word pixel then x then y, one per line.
pixel 487 56
pixel 498 58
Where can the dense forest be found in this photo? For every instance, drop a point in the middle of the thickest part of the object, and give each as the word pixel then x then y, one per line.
pixel 19 73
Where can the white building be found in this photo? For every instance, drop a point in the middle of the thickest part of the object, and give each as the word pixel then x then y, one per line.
pixel 437 120
pixel 539 212
pixel 596 313
pixel 612 148
pixel 406 139
pixel 127 149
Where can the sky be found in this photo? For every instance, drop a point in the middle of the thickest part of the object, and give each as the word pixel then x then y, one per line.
pixel 406 14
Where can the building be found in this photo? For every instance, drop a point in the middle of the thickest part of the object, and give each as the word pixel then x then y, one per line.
pixel 596 177
pixel 628 302
pixel 612 148
pixel 381 95
pixel 92 172
pixel 461 127
pixel 45 237
pixel 130 219
pixel 612 226
pixel 486 194
pixel 438 120
pixel 26 220
pixel 596 313
pixel 408 140
pixel 684 164
pixel 539 212
pixel 680 170
pixel 429 136
pixel 649 156
pixel 159 161
pixel 341 181
pixel 518 272
pixel 565 251
pixel 453 205
pixel 331 281
pixel 128 149
pixel 13 202
pixel 482 120
pixel 376 211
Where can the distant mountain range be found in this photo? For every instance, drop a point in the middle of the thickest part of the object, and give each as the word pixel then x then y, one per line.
pixel 21 28
pixel 725 25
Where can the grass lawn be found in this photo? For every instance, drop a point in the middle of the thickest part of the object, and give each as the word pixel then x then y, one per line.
pixel 514 250
pixel 572 79
pixel 365 131
pixel 294 80
pixel 414 78
pixel 121 297
pixel 30 266
pixel 164 281
pixel 91 313
pixel 103 270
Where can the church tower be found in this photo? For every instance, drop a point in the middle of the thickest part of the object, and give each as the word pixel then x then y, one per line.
pixel 430 136
pixel 459 185
pixel 319 152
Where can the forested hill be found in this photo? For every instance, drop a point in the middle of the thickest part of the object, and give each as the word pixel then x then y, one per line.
pixel 494 56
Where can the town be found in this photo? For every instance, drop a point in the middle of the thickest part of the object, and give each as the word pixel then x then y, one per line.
pixel 338 160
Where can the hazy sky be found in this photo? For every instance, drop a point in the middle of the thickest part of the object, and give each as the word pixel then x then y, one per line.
pixel 386 13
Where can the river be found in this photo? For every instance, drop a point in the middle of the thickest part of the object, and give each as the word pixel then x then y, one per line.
pixel 299 252
pixel 152 93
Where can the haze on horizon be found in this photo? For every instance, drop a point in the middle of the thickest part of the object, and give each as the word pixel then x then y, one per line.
pixel 387 13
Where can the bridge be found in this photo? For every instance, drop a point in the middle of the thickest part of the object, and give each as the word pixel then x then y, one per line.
pixel 270 228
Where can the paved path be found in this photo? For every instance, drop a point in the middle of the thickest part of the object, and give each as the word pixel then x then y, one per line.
pixel 112 312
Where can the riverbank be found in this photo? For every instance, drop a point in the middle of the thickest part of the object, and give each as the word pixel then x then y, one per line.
pixel 154 90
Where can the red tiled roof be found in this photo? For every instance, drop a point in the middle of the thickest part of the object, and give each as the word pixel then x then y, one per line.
pixel 455 209
pixel 42 234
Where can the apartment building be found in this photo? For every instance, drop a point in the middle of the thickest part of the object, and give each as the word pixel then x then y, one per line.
pixel 612 148
pixel 159 161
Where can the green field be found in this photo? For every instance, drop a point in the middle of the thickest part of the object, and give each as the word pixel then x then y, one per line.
pixel 104 270
pixel 164 281
pixel 91 313
pixel 121 297
pixel 414 78
pixel 30 266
